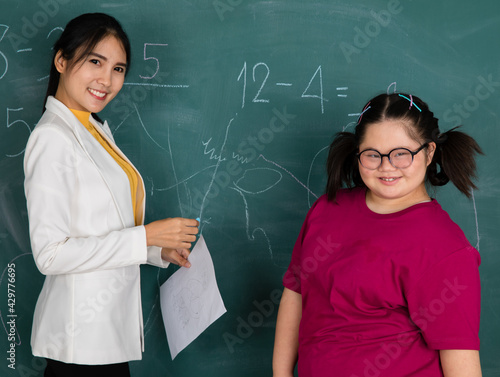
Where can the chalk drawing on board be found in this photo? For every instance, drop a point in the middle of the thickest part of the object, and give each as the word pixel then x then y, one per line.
pixel 310 172
pixel 390 86
pixel 289 173
pixel 216 169
pixel 2 54
pixel 264 183
pixel 251 237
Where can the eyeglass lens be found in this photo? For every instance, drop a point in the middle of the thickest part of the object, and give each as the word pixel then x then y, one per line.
pixel 399 158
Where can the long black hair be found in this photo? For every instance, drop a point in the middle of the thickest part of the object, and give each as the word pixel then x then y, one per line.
pixel 79 38
pixel 454 158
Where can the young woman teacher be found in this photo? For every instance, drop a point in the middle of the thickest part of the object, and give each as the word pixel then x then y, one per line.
pixel 382 282
pixel 86 206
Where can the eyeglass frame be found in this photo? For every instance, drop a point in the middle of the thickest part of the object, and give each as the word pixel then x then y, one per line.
pixel 388 156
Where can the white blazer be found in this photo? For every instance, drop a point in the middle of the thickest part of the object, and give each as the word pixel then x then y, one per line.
pixel 84 238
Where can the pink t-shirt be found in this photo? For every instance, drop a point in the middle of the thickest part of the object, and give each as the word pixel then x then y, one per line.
pixel 381 294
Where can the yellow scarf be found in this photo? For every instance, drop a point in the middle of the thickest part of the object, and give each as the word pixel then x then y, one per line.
pixel 133 177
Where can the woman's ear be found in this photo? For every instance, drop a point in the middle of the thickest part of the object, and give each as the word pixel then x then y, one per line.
pixel 60 62
pixel 431 149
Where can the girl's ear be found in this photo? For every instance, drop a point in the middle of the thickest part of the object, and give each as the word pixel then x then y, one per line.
pixel 431 149
pixel 60 62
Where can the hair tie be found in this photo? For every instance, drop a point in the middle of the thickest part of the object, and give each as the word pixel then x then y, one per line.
pixel 411 102
pixel 438 137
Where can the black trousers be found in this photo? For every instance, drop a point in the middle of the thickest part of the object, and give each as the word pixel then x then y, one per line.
pixel 58 369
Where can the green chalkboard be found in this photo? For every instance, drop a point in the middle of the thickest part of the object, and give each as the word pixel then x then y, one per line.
pixel 227 111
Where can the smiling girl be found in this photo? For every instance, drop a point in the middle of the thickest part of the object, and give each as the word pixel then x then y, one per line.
pixel 86 206
pixel 382 282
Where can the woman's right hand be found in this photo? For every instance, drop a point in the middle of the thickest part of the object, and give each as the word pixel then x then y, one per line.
pixel 172 233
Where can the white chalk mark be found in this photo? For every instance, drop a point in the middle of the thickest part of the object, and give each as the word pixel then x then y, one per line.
pixel 239 158
pixel 54 29
pixel 349 125
pixel 283 84
pixel 25 50
pixel 123 121
pixel 152 58
pixel 215 170
pixel 244 74
pixel 43 78
pixel 389 88
pixel 261 191
pixel 294 177
pixel 173 170
pixel 145 130
pixel 155 85
pixel 342 95
pixel 475 217
pixel 256 98
pixel 251 237
pixel 310 171
pixel 321 98
pixel 185 180
pixel 213 156
pixel 3 55
pixel 342 88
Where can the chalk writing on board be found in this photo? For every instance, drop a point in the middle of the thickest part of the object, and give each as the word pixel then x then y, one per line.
pixel 291 175
pixel 215 170
pixel 251 236
pixel 10 124
pixel 309 193
pixel 152 58
pixel 211 152
pixel 54 29
pixel 2 54
pixel 263 67
pixel 341 89
pixel 304 95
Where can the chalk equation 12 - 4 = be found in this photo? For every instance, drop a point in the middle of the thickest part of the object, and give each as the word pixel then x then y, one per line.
pixel 260 74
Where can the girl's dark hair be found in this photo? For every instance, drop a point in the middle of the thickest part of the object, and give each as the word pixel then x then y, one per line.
pixel 454 158
pixel 79 38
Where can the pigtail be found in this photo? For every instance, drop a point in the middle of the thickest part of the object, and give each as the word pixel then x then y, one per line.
pixel 341 164
pixel 455 153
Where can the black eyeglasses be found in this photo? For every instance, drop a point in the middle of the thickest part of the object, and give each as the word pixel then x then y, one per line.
pixel 400 158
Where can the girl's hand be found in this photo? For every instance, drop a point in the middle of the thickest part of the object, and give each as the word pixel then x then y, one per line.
pixel 174 233
pixel 176 256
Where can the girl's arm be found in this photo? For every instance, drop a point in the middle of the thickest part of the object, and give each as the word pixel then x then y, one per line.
pixel 460 363
pixel 286 341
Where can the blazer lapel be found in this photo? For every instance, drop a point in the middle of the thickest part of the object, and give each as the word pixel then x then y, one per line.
pixel 111 173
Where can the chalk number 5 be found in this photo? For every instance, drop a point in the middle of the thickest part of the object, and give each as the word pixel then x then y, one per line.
pixel 151 58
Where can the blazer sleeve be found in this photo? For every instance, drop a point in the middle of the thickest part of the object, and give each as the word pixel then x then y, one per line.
pixel 51 185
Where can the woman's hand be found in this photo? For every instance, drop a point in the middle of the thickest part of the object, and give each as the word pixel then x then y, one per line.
pixel 175 233
pixel 176 256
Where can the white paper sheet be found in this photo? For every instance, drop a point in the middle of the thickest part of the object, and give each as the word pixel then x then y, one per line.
pixel 190 300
